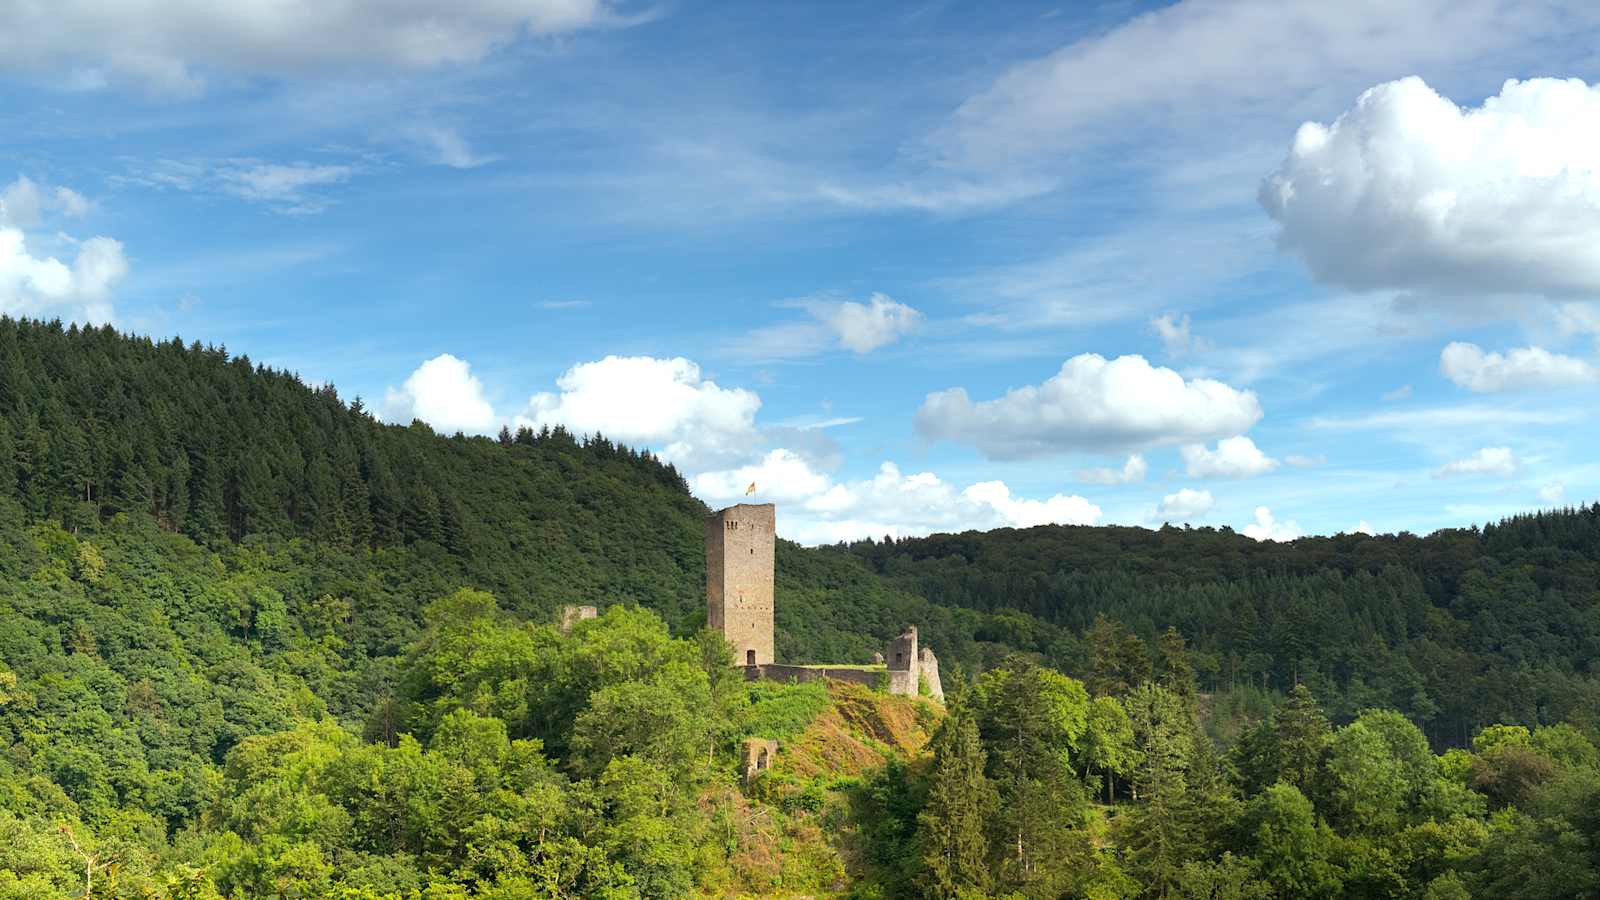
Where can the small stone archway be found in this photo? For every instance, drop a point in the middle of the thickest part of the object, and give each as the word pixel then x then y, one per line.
pixel 758 756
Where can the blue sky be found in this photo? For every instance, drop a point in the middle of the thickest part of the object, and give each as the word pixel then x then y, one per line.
pixel 1285 267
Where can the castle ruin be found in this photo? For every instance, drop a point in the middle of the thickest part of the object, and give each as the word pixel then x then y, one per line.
pixel 741 544
pixel 572 615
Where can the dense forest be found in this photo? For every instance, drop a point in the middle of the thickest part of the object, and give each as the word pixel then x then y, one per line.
pixel 256 643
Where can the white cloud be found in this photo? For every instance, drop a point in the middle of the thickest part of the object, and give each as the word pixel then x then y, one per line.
pixel 1133 470
pixel 1187 503
pixel 1362 528
pixel 1465 415
pixel 287 188
pixel 24 203
pixel 938 197
pixel 1578 318
pixel 444 393
pixel 168 47
pixel 858 327
pixel 816 509
pixel 36 282
pixel 1176 336
pixel 1408 191
pixel 1058 510
pixel 1235 457
pixel 1267 528
pixel 863 327
pixel 1091 404
pixel 781 476
pixel 1525 368
pixel 644 401
pixel 32 285
pixel 1497 461
pixel 1553 494
pixel 1302 461
pixel 446 147
pixel 1400 393
pixel 1190 62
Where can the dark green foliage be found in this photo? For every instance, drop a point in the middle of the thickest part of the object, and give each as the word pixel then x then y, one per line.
pixel 255 643
pixel 1456 630
pixel 953 826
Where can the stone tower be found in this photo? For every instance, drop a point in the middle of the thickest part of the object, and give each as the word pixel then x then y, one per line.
pixel 740 543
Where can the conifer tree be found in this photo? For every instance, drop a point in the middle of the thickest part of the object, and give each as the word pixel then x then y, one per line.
pixel 961 804
pixel 1303 736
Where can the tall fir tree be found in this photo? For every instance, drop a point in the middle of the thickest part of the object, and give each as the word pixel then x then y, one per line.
pixel 953 826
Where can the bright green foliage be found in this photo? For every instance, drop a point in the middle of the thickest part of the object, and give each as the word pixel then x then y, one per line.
pixel 781 711
pixel 1032 720
pixel 1108 743
pixel 254 642
pixel 1293 849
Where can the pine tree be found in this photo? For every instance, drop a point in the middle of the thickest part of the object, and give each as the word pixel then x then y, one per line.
pixel 961 803
pixel 1303 738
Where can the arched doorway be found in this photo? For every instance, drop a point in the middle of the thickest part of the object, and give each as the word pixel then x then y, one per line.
pixel 749 657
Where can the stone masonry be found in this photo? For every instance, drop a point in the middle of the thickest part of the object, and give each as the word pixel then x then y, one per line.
pixel 572 615
pixel 759 754
pixel 911 667
pixel 741 542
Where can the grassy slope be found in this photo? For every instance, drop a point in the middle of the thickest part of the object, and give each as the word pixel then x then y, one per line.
pixel 797 831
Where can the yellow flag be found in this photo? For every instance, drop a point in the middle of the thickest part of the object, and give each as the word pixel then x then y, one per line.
pixel 750 490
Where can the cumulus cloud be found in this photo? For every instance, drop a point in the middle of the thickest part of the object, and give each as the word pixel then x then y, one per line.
pixel 820 510
pixel 1525 368
pixel 782 476
pixel 1552 494
pixel 1187 503
pixel 1091 404
pixel 1496 461
pixel 645 401
pixel 1133 470
pixel 1235 457
pixel 1058 510
pixel 168 47
pixel 32 285
pixel 24 203
pixel 863 327
pixel 37 282
pixel 858 327
pixel 444 393
pixel 1408 191
pixel 1362 528
pixel 1175 335
pixel 1266 527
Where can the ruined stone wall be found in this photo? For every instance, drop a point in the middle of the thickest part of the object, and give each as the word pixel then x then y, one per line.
pixel 758 756
pixel 741 543
pixel 572 615
pixel 901 657
pixel 772 672
pixel 928 669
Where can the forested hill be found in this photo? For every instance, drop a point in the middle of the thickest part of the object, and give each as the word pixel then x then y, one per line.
pixel 212 446
pixel 255 643
pixel 215 447
pixel 1457 629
